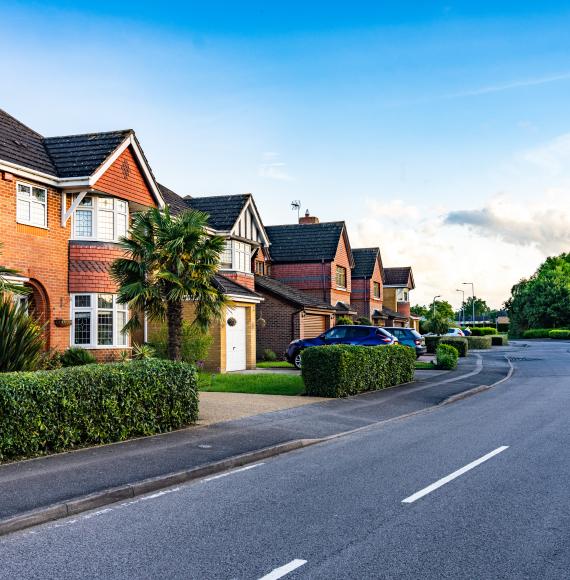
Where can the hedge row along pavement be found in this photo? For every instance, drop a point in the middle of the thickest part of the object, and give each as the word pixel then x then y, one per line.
pixel 499 340
pixel 342 370
pixel 446 356
pixel 457 342
pixel 479 342
pixel 482 330
pixel 557 333
pixel 50 411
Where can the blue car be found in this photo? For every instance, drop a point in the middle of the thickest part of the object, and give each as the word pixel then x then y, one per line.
pixel 358 335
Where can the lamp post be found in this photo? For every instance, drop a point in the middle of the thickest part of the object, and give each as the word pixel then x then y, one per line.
pixel 433 305
pixel 462 306
pixel 473 292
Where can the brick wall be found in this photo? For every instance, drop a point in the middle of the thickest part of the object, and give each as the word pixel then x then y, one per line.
pixel 362 295
pixel 243 278
pixel 89 264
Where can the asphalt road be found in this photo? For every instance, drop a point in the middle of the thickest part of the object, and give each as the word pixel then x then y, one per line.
pixel 361 506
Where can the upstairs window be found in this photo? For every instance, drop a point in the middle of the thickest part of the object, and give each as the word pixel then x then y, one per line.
pixel 340 277
pixel 377 290
pixel 31 205
pixel 402 295
pixel 236 256
pixel 101 218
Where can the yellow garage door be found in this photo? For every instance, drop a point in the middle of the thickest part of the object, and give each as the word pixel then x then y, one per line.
pixel 315 324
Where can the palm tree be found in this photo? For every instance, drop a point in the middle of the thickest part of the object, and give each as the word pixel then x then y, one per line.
pixel 5 285
pixel 170 259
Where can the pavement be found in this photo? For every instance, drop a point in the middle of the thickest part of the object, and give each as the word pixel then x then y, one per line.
pixel 489 474
pixel 35 484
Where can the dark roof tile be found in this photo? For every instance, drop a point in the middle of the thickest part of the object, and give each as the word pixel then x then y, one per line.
pixel 397 276
pixel 364 262
pixel 228 286
pixel 223 210
pixel 176 203
pixel 290 294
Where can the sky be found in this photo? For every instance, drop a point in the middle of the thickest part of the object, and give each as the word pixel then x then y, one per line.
pixel 438 130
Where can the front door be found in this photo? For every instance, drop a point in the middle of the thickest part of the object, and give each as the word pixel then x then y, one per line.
pixel 236 359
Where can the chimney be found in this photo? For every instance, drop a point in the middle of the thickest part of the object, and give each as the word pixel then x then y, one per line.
pixel 308 219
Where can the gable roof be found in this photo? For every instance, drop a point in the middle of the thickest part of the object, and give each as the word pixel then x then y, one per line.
pixel 400 277
pixel 305 242
pixel 365 261
pixel 290 294
pixel 224 210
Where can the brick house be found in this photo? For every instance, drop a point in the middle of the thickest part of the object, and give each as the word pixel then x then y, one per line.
pixel 398 283
pixel 368 284
pixel 64 204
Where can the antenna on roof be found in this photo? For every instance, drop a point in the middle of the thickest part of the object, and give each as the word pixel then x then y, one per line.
pixel 296 206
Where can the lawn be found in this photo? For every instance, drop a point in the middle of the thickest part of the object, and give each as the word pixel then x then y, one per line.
pixel 257 384
pixel 425 366
pixel 276 364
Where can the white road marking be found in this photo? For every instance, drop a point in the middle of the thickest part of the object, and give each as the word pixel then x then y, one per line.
pixel 452 476
pixel 284 570
pixel 233 471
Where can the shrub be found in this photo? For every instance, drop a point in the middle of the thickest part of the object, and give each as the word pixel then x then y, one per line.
pixel 446 356
pixel 51 411
pixel 559 334
pixel 195 343
pixel 537 333
pixel 49 360
pixel 140 352
pixel 74 357
pixel 432 342
pixel 457 342
pixel 479 342
pixel 21 339
pixel 483 331
pixel 438 324
pixel 499 340
pixel 342 370
pixel 344 320
pixel 362 320
pixel 269 355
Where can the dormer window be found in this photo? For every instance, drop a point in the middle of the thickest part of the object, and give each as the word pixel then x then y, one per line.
pixel 236 256
pixel 101 218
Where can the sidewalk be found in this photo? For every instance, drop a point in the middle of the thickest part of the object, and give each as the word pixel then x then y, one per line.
pixel 37 483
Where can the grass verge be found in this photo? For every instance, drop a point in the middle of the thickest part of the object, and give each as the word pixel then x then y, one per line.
pixel 425 366
pixel 261 384
pixel 276 364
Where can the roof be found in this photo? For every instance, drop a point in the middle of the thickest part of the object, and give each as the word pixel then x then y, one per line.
pixel 176 203
pixel 364 262
pixel 290 294
pixel 399 276
pixel 228 286
pixel 223 210
pixel 393 314
pixel 305 242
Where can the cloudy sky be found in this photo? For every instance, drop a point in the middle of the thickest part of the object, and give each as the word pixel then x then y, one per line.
pixel 439 131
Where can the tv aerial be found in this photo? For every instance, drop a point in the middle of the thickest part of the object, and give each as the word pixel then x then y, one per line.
pixel 296 206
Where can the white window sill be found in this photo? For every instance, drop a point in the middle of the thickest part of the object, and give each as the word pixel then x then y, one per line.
pixel 32 225
pixel 100 347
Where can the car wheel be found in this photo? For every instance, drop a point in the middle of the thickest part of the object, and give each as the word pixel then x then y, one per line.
pixel 297 360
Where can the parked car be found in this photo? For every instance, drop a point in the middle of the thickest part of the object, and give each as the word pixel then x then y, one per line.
pixel 454 332
pixel 341 334
pixel 408 337
pixel 467 331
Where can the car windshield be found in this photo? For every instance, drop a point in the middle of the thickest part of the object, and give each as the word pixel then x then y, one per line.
pixel 416 334
pixel 336 333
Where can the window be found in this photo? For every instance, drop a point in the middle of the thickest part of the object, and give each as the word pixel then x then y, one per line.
pixel 98 320
pixel 236 256
pixel 261 268
pixel 377 290
pixel 336 333
pixel 31 205
pixel 101 218
pixel 402 295
pixel 340 277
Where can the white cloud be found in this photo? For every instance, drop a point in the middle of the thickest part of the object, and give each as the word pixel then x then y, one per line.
pixel 553 156
pixel 272 168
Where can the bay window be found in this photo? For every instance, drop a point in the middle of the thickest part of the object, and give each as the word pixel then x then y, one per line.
pixel 236 256
pixel 101 218
pixel 98 321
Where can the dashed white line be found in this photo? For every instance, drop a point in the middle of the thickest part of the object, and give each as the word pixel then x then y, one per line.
pixel 248 467
pixel 452 476
pixel 284 570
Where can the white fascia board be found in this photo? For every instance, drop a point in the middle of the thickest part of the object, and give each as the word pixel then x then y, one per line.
pixel 259 224
pixel 28 173
pixel 15 279
pixel 240 298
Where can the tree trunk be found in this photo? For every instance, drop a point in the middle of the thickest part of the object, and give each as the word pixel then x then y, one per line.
pixel 174 317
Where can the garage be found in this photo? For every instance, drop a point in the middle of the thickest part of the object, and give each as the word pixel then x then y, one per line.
pixel 314 324
pixel 236 339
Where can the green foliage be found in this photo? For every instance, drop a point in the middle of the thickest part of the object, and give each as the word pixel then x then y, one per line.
pixel 344 320
pixel 443 309
pixel 446 356
pixel 537 333
pixel 499 340
pixel 479 342
pixel 342 370
pixel 49 360
pixel 7 287
pixel 51 411
pixel 257 384
pixel 195 343
pixel 363 321
pixel 421 311
pixel 483 331
pixel 269 355
pixel 74 357
pixel 21 338
pixel 481 308
pixel 559 334
pixel 431 343
pixel 143 351
pixel 457 342
pixel 438 324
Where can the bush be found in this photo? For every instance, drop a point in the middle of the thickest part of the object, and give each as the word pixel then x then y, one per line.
pixel 479 342
pixel 438 324
pixel 537 333
pixel 140 352
pixel 269 355
pixel 342 370
pixel 74 357
pixel 499 340
pixel 362 320
pixel 49 360
pixel 195 343
pixel 483 330
pixel 559 334
pixel 50 411
pixel 344 320
pixel 446 356
pixel 457 342
pixel 21 340
pixel 432 342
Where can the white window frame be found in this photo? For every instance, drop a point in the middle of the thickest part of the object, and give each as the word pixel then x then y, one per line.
pixel 94 311
pixel 95 211
pixel 402 295
pixel 338 267
pixel 241 256
pixel 29 200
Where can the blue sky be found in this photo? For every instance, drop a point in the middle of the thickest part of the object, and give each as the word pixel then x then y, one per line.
pixel 438 130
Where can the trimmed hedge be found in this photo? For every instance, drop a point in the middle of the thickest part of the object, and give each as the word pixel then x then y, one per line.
pixel 432 342
pixel 342 370
pixel 50 411
pixel 559 334
pixel 447 357
pixel 537 333
pixel 499 340
pixel 483 330
pixel 479 342
pixel 457 342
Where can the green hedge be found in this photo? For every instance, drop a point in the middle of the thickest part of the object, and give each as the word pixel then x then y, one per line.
pixel 50 411
pixel 479 342
pixel 446 356
pixel 342 370
pixel 559 334
pixel 537 333
pixel 432 342
pixel 457 342
pixel 483 331
pixel 499 340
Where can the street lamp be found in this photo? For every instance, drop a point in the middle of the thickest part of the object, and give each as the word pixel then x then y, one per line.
pixel 473 292
pixel 462 305
pixel 433 305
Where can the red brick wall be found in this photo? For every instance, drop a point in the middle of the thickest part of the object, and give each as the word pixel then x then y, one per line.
pixel 89 264
pixel 404 309
pixel 38 254
pixel 362 296
pixel 129 185
pixel 242 278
